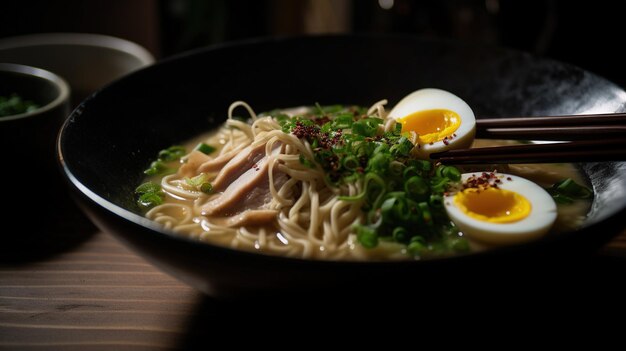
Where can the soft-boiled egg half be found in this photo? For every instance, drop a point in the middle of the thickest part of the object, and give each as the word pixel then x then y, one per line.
pixel 441 120
pixel 500 209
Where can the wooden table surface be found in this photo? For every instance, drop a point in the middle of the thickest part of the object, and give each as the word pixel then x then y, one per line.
pixel 99 295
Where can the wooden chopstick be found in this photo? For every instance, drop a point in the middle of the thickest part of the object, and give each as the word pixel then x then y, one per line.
pixel 576 151
pixel 551 121
pixel 553 133
pixel 562 128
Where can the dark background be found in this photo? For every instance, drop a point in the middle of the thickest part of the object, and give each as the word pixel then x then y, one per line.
pixel 588 34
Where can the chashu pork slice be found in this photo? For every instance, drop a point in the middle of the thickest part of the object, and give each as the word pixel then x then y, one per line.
pixel 194 160
pixel 249 191
pixel 238 165
pixel 214 165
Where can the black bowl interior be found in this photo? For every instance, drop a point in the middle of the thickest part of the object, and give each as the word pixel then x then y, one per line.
pixel 111 138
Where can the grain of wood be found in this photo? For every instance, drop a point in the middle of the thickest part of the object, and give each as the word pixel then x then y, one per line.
pixel 99 296
pixel 102 296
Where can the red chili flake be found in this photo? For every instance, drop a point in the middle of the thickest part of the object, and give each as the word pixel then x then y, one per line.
pixel 321 120
pixel 509 178
pixel 482 181
pixel 431 143
pixel 445 141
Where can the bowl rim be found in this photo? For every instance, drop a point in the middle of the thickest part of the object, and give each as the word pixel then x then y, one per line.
pixel 146 223
pixel 79 39
pixel 58 81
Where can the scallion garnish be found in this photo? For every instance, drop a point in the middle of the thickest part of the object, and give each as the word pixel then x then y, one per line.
pixel 402 196
pixel 150 195
pixel 14 104
pixel 567 190
pixel 200 183
pixel 206 188
pixel 205 148
pixel 165 159
pixel 172 153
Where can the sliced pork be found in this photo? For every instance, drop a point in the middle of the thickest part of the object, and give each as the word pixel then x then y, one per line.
pixel 194 160
pixel 249 191
pixel 238 165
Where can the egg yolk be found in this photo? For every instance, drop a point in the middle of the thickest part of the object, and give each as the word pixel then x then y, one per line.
pixel 493 205
pixel 431 125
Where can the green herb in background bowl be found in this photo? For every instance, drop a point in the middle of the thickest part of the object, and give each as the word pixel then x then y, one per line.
pixel 14 105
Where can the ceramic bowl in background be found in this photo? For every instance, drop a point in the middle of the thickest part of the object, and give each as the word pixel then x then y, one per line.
pixel 87 61
pixel 33 193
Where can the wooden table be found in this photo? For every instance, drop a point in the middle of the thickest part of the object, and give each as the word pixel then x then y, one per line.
pixel 99 295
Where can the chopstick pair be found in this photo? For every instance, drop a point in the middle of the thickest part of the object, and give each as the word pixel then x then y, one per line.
pixel 585 138
pixel 562 128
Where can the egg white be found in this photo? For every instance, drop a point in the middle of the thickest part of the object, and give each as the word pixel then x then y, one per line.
pixel 542 215
pixel 431 99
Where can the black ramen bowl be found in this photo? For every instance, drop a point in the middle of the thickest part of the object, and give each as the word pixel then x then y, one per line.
pixel 114 135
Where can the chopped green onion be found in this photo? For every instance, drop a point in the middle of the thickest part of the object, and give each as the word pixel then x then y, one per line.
pixel 449 172
pixel 172 153
pixel 147 187
pixel 436 201
pixel 422 165
pixel 149 200
pixel 281 118
pixel 366 127
pixel 452 173
pixel 206 188
pixel 197 180
pixel 416 187
pixel 169 155
pixel 402 148
pixel 319 108
pixel 416 248
pixel 343 121
pixel 378 163
pixel 205 148
pixel 396 168
pixel 366 236
pixel 426 215
pixel 14 105
pixel 306 162
pixel 567 190
pixel 410 172
pixel 438 185
pixel 330 109
pixel 400 235
pixel 398 129
pixel 562 199
pixel 374 188
pixel 150 195
pixel 158 167
pixel 351 163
